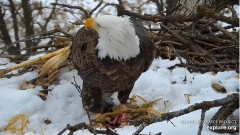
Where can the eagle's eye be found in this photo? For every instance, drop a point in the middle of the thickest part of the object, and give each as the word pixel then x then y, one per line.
pixel 84 46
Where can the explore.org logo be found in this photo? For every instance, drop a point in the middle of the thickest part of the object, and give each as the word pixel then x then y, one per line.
pixel 234 128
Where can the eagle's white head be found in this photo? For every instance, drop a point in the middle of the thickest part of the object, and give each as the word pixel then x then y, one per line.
pixel 117 37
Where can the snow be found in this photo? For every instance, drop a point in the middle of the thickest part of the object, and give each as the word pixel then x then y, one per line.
pixel 63 105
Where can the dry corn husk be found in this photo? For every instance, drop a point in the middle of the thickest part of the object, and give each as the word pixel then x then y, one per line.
pixel 13 124
pixel 48 65
pixel 131 110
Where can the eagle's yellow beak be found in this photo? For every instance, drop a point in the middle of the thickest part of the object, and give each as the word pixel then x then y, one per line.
pixel 89 23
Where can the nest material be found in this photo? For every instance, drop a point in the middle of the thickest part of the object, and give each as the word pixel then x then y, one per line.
pixel 123 114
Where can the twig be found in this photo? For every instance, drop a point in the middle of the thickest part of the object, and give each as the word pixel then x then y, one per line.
pixel 159 5
pixel 172 123
pixel 140 129
pixel 210 13
pixel 105 5
pixel 234 13
pixel 193 68
pixel 109 131
pixel 225 32
pixel 15 22
pixel 65 129
pixel 74 128
pixel 82 126
pixel 170 11
pixel 49 17
pixel 216 63
pixel 221 48
pixel 201 122
pixel 168 42
pixel 45 46
pixel 179 57
pixel 207 44
pixel 74 7
pixel 91 125
pixel 77 23
pixel 193 47
pixel 78 87
pixel 14 57
pixel 80 94
pixel 94 9
pixel 43 35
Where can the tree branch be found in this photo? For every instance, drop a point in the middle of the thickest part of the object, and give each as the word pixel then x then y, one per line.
pixel 205 105
pixel 15 26
pixel 93 10
pixel 201 122
pixel 3 28
pixel 74 7
pixel 28 22
pixel 49 17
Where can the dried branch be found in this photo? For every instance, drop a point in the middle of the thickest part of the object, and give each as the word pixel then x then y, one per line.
pixel 49 17
pixel 28 22
pixel 15 25
pixel 227 33
pixel 205 105
pixel 140 129
pixel 210 13
pixel 94 9
pixel 206 45
pixel 74 7
pixel 44 47
pixel 14 57
pixel 43 35
pixel 159 5
pixel 191 45
pixel 78 87
pixel 4 31
pixel 74 128
pixel 201 122
pixel 105 5
pixel 82 126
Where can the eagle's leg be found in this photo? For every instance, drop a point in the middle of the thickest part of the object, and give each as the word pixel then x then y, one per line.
pixel 107 102
pixel 123 96
pixel 91 98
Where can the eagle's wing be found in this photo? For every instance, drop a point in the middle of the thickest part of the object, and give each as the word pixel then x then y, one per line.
pixel 146 45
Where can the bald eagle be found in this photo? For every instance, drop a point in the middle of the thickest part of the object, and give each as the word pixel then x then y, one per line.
pixel 110 53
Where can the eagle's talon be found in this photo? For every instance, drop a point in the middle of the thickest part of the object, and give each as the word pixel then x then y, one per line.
pixel 107 102
pixel 107 107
